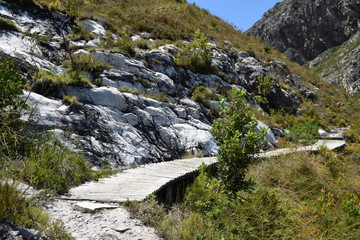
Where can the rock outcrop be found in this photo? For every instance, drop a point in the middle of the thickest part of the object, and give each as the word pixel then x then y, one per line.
pixel 324 32
pixel 341 65
pixel 305 28
pixel 140 109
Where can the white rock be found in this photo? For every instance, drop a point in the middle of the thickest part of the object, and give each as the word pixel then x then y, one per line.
pixel 135 38
pixel 89 207
pixel 270 138
pixel 322 132
pixel 93 26
pixel 93 43
pixel 145 35
pixel 25 49
pixel 104 96
pixel 192 138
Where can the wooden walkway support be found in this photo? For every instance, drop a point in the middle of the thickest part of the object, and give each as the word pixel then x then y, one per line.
pixel 138 183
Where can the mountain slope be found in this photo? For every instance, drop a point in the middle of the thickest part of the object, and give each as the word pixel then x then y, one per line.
pixel 341 65
pixel 305 28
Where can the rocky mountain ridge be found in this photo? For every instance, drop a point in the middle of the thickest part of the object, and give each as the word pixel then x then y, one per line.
pixel 304 29
pixel 117 121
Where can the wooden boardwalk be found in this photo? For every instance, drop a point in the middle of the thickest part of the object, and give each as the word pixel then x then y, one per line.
pixel 136 184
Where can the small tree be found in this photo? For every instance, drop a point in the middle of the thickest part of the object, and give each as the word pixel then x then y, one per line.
pixel 11 84
pixel 197 55
pixel 238 141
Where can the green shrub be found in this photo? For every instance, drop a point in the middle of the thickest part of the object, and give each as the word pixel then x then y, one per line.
pixel 304 132
pixel 129 90
pixel 202 95
pixel 70 78
pixel 71 100
pixel 123 45
pixel 238 141
pixel 161 97
pixel 197 55
pixel 142 44
pixel 50 166
pixel 267 49
pixel 264 86
pixel 22 212
pixel 88 63
pixel 11 84
pixel 7 24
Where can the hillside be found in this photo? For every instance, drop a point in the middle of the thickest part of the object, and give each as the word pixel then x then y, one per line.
pixel 122 88
pixel 116 84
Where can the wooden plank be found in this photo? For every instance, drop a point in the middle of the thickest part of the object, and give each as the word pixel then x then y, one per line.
pixel 137 183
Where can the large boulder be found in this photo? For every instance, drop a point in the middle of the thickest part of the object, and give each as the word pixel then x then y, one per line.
pixel 120 129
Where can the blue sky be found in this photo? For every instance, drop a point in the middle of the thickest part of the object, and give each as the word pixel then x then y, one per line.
pixel 242 13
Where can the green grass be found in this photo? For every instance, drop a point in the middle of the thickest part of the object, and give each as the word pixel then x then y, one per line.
pixel 203 95
pixel 161 97
pixel 70 78
pixel 26 213
pixel 297 196
pixel 71 100
pixel 50 166
pixel 7 24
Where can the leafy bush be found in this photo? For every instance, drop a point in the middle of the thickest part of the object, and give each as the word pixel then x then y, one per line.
pixel 11 84
pixel 238 141
pixel 304 132
pixel 19 211
pixel 161 97
pixel 197 55
pixel 202 95
pixel 264 86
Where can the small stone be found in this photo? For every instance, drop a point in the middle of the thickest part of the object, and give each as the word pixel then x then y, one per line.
pixel 120 228
pixel 89 207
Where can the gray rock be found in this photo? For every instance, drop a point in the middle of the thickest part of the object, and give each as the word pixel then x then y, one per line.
pixel 270 139
pixel 326 24
pixel 283 99
pixel 93 27
pixel 131 119
pixel 135 38
pixel 29 234
pixel 119 128
pixel 91 207
pixel 341 66
pixel 25 50
pixel 145 35
pixel 165 84
pixel 93 43
pixel 120 228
